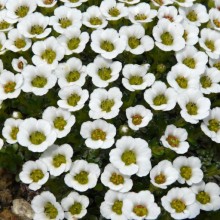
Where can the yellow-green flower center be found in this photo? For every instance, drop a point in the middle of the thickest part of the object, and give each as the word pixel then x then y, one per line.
pixel 117 207
pixel 107 104
pixel 82 177
pixel 105 73
pixel 167 38
pixel 49 56
pixel 14 132
pixel 173 141
pixel 137 119
pixel 210 44
pixel 205 81
pixel 37 137
pixel 140 210
pixel 178 205
pixel 4 25
pixel 76 208
pixel 36 30
pixel 186 172
pixel 22 11
pixel 128 157
pixel 217 23
pixel 95 21
pixel 48 2
pixel 73 43
pixel 58 160
pixel 133 42
pixel 73 99
pixel 107 46
pixel 192 108
pixel 98 134
pixel 73 76
pixel 36 175
pixel 170 18
pixel 203 197
pixel 39 82
pixel 65 22
pixel 214 125
pixel 160 179
pixel 59 123
pixel 217 65
pixel 114 12
pixel 192 16
pixel 182 82
pixel 20 65
pixel 117 179
pixel 190 62
pixel 50 210
pixel 160 100
pixel 20 43
pixel 159 2
pixel 140 17
pixel 9 87
pixel 136 80
pixel 185 35
pixel 73 1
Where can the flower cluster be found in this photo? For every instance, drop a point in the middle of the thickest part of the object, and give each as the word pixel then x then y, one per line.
pixel 97 89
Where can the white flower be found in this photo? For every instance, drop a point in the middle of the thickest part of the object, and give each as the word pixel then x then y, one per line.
pixel 19 64
pixel 46 3
pixel 159 97
pixel 130 2
pixel 1 65
pixel 116 181
pixel 103 71
pixel 36 135
pixel 10 85
pixel 10 130
pixel 93 18
pixel 138 117
pixel 38 79
pixel 1 143
pixel 207 195
pixel 163 174
pixel 107 43
pixel 35 174
pixel 191 33
pixel 34 26
pixel 75 206
pixel 141 13
pixel 136 40
pixel 60 120
pixel 217 4
pixel 169 35
pixel 105 103
pixel 209 81
pixel 180 203
pixel 175 139
pixel 189 169
pixel 113 10
pixel 112 207
pixel 19 9
pixel 182 79
pixel 82 176
pixel 136 77
pixel 5 22
pixel 73 3
pixel 211 125
pixel 131 156
pixel 170 13
pixel 58 159
pixel 98 134
pixel 73 40
pixel 65 18
pixel 72 72
pixel 196 14
pixel 214 16
pixel 159 3
pixel 2 4
pixel 215 63
pixel 194 106
pixel 73 98
pixel 45 207
pixel 185 3
pixel 193 59
pixel 47 52
pixel 2 43
pixel 17 42
pixel 210 42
